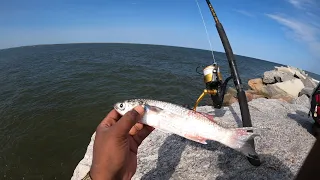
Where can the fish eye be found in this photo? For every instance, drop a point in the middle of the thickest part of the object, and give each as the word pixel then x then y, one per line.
pixel 121 106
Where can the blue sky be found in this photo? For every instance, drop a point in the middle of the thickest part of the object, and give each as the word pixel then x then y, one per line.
pixel 283 31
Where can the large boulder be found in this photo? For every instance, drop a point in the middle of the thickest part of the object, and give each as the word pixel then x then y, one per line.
pixel 281 97
pixel 282 149
pixel 253 95
pixel 232 91
pixel 285 83
pixel 302 100
pixel 316 81
pixel 231 96
pixel 292 87
pixel 293 71
pixel 268 91
pixel 271 91
pixel 306 91
pixel 270 77
pixel 309 83
pixel 229 99
pixel 256 84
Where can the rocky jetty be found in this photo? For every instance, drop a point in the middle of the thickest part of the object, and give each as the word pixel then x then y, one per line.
pixel 278 101
pixel 283 83
pixel 282 148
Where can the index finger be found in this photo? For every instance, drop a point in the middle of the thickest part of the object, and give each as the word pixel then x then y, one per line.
pixel 112 117
pixel 128 120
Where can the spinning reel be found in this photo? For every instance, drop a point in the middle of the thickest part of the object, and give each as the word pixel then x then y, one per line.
pixel 215 86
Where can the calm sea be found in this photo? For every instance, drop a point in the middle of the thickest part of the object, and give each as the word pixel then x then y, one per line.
pixel 52 97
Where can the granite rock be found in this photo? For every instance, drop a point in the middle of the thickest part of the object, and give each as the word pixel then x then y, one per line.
pixel 270 77
pixel 256 84
pixel 303 100
pixel 271 90
pixel 286 98
pixel 309 83
pixel 292 87
pixel 229 99
pixel 306 91
pixel 293 71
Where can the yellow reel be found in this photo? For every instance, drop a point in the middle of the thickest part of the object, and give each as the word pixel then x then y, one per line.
pixel 211 74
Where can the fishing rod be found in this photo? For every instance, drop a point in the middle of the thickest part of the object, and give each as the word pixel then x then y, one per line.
pixel 216 87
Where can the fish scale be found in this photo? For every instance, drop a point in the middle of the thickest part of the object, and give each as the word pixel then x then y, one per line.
pixel 172 108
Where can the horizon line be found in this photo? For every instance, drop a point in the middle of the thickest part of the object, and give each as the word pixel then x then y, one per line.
pixel 25 46
pixel 22 46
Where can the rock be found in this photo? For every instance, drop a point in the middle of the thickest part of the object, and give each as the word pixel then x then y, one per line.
pixel 270 77
pixel 251 91
pixel 316 81
pixel 84 165
pixel 288 99
pixel 267 91
pixel 292 87
pixel 231 96
pixel 292 70
pixel 249 96
pixel 282 149
pixel 229 99
pixel 232 91
pixel 285 98
pixel 252 95
pixel 306 91
pixel 271 90
pixel 256 96
pixel 256 84
pixel 309 83
pixel 303 101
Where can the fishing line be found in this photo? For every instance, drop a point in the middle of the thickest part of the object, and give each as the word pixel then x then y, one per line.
pixel 205 27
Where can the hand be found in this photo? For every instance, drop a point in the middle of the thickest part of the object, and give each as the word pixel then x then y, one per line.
pixel 116 144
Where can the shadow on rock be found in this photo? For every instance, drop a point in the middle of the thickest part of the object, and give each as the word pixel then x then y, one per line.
pixel 210 146
pixel 218 112
pixel 271 168
pixel 236 117
pixel 302 119
pixel 169 156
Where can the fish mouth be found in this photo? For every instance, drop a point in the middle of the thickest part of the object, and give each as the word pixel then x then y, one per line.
pixel 115 106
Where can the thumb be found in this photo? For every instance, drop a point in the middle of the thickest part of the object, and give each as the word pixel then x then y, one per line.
pixel 128 120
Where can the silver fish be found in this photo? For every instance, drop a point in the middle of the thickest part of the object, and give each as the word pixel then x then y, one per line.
pixel 195 126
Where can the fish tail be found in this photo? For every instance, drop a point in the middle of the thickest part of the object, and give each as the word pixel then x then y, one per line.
pixel 239 140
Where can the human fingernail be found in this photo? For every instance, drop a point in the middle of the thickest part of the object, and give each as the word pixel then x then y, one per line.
pixel 139 109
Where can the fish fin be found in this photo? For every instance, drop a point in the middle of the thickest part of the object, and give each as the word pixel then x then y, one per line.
pixel 153 108
pixel 239 140
pixel 196 138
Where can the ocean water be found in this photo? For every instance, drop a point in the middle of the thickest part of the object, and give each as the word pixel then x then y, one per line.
pixel 52 97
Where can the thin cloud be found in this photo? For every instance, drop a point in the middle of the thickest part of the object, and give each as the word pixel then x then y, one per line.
pixel 303 25
pixel 246 13
pixel 303 4
pixel 301 31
